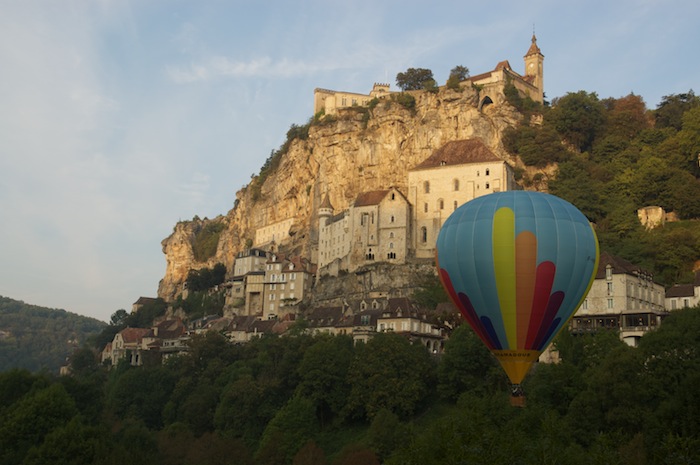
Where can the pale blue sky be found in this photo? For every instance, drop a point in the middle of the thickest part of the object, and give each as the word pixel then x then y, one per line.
pixel 119 118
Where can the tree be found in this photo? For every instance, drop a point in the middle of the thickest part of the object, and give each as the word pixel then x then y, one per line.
pixel 466 365
pixel 118 318
pixel 293 426
pixel 389 373
pixel 669 113
pixel 323 375
pixel 457 75
pixel 579 117
pixel 415 79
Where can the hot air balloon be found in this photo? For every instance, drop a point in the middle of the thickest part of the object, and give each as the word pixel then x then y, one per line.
pixel 517 264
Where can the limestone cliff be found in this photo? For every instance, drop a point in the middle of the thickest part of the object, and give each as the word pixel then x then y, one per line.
pixel 357 150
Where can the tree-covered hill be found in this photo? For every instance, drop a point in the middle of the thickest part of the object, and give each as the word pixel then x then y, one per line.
pixel 37 338
pixel 610 158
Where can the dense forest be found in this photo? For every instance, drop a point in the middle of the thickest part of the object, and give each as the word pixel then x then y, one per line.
pixel 37 338
pixel 613 157
pixel 302 399
pixel 317 399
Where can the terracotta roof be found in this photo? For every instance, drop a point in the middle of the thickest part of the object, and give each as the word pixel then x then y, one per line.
pixel 459 152
pixel 134 335
pixel 370 198
pixel 534 49
pixel 145 300
pixel 503 65
pixel 681 290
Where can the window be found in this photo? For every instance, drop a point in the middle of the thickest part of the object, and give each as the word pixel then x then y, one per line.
pixel 608 272
pixel 426 187
pixel 673 304
pixel 391 245
pixel 425 207
pixel 610 290
pixel 685 303
pixel 441 204
pixel 391 220
pixel 610 303
pixel 454 205
pixel 584 306
pixel 487 185
pixel 487 172
pixel 393 196
pixel 424 234
pixel 455 183
pixel 391 235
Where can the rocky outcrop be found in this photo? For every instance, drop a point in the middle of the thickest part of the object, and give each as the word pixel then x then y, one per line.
pixel 351 153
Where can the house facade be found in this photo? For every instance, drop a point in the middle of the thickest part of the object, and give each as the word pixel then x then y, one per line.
pixel 622 297
pixel 456 173
pixel 684 295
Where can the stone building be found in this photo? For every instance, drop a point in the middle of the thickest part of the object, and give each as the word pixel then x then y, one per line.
pixel 287 281
pixel 457 172
pixel 684 295
pixel 490 83
pixel 622 297
pixel 374 228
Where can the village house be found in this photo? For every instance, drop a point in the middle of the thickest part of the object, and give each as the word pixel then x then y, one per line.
pixel 683 295
pixel 623 297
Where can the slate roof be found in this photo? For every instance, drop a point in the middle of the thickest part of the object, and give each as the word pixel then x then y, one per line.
pixel 618 265
pixel 681 290
pixel 459 152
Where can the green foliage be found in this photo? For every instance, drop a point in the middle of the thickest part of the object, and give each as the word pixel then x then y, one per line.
pixel 457 74
pixel 39 338
pixel 578 117
pixel 536 146
pixel 143 318
pixel 669 113
pixel 206 278
pixel 430 292
pixel 415 79
pixel 407 101
pixel 604 402
pixel 206 240
pixel 199 304
pixel 389 373
pixel 466 365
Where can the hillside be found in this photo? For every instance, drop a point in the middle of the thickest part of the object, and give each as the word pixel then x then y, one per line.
pixel 360 149
pixel 37 338
pixel 608 157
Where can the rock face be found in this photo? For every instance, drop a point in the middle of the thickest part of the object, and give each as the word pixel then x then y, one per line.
pixel 351 153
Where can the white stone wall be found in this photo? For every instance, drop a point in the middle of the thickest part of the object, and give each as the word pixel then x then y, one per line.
pixel 447 188
pixel 277 232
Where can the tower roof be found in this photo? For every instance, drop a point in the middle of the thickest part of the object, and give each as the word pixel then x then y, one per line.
pixel 326 203
pixel 459 152
pixel 534 49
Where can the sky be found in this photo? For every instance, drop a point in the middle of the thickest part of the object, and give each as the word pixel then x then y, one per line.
pixel 120 118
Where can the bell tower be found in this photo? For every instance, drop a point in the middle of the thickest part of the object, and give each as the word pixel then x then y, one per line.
pixel 534 68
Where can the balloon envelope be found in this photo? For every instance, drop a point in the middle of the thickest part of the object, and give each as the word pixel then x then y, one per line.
pixel 517 264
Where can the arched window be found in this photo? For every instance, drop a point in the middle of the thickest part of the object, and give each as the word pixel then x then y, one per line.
pixel 392 219
pixel 391 245
pixel 455 183
pixel 487 171
pixel 424 234
pixel 426 187
pixel 391 235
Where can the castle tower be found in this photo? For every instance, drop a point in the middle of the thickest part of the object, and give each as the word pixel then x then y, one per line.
pixel 325 211
pixel 534 67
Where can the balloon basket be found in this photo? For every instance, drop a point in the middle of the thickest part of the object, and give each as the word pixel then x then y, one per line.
pixel 517 396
